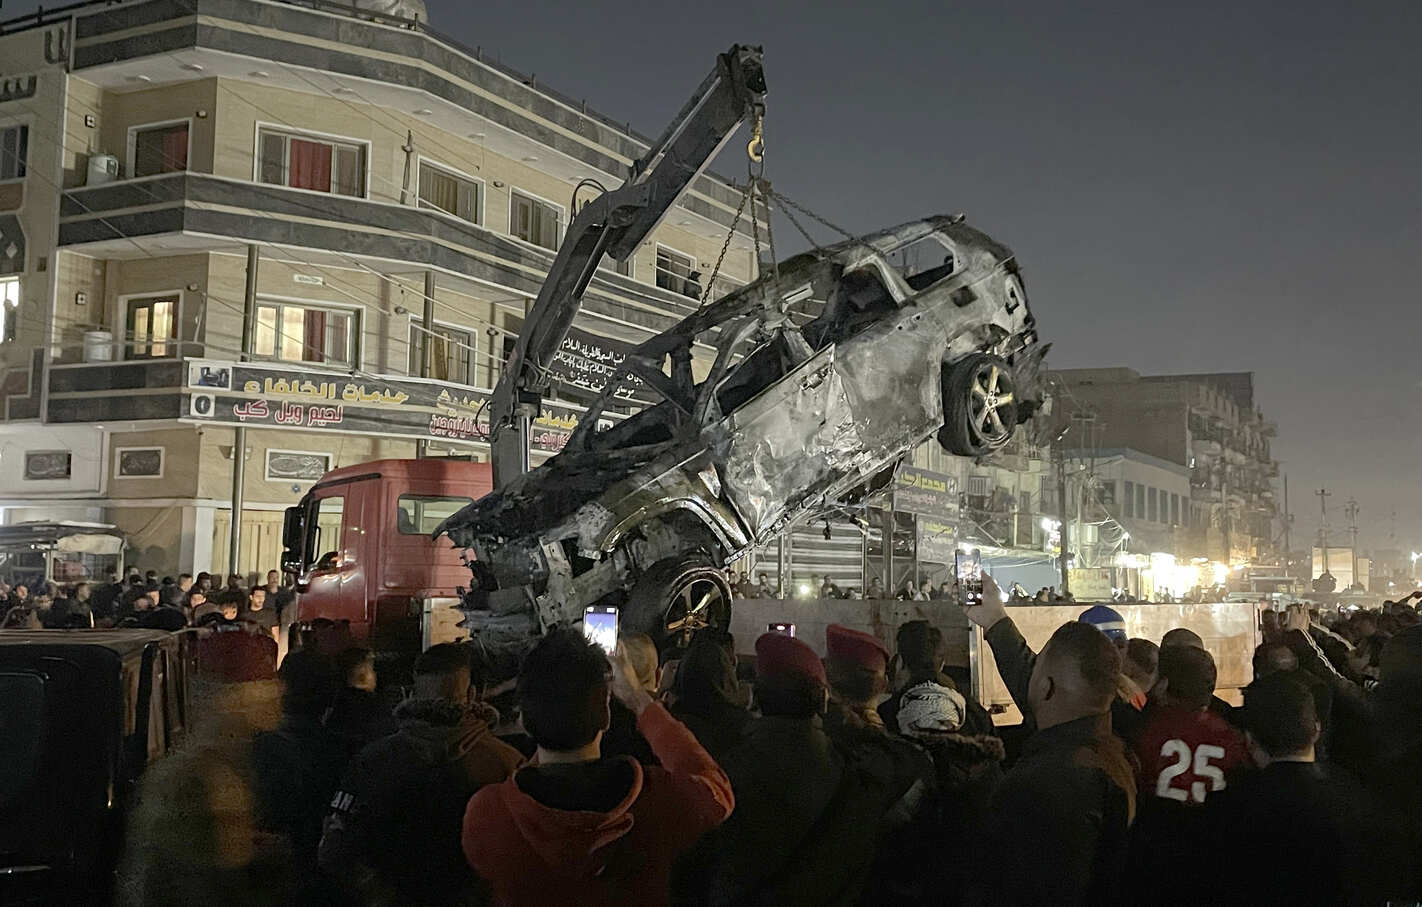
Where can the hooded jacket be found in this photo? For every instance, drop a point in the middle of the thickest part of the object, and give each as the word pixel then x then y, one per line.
pixel 393 831
pixel 523 839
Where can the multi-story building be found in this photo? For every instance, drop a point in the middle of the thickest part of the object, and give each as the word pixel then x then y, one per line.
pixel 157 155
pixel 1126 500
pixel 1208 424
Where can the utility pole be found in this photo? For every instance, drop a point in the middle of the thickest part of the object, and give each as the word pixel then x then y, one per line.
pixel 1288 521
pixel 1059 453
pixel 1323 496
pixel 427 360
pixel 239 434
pixel 1351 509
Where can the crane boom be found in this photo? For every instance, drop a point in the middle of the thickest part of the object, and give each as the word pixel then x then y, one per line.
pixel 615 223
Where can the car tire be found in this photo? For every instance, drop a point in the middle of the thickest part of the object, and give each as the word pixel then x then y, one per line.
pixel 979 405
pixel 660 600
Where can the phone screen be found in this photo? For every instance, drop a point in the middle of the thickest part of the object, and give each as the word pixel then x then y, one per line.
pixel 782 629
pixel 969 567
pixel 600 627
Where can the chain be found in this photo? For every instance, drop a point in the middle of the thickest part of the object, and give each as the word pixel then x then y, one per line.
pixel 808 213
pixel 725 246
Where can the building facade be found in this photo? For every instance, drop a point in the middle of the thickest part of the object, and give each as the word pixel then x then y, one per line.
pixel 156 154
pixel 1207 424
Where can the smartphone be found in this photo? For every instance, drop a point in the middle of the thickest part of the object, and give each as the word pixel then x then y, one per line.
pixel 782 629
pixel 600 627
pixel 968 566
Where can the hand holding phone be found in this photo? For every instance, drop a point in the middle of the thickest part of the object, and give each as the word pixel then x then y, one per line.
pixel 600 627
pixel 968 566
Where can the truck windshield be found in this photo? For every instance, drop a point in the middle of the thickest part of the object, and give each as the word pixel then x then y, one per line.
pixel 418 514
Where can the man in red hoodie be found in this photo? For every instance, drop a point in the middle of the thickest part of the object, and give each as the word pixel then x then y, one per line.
pixel 576 828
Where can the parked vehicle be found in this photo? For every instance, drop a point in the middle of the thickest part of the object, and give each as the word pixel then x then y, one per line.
pixel 61 552
pixel 359 547
pixel 828 373
pixel 83 713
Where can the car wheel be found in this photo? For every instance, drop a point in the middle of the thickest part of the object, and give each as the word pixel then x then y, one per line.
pixel 676 598
pixel 979 406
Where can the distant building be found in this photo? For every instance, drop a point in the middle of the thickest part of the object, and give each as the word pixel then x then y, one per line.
pixel 1210 425
pixel 1130 502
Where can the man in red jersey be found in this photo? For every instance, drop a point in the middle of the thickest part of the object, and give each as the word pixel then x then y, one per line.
pixel 1187 752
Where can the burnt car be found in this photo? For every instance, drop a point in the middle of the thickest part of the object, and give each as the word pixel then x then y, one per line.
pixel 828 372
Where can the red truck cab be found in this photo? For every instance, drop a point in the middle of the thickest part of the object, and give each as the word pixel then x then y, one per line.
pixel 359 547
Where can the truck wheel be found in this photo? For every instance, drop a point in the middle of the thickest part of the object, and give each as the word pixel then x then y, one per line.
pixel 979 406
pixel 676 598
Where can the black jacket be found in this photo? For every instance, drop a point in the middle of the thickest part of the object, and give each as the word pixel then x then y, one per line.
pixel 1057 829
pixel 807 820
pixel 393 833
pixel 357 718
pixel 295 770
pixel 1316 840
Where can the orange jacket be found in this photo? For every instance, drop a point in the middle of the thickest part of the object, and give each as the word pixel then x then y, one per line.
pixel 534 854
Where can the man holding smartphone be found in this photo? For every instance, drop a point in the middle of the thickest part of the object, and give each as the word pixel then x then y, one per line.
pixel 578 828
pixel 1059 820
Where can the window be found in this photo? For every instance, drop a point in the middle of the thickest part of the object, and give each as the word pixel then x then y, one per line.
pixel 1024 502
pixel 308 163
pixel 534 221
pixel 151 327
pixel 979 486
pixel 453 352
pixel 1106 493
pixel 301 333
pixel 9 307
pixel 1154 511
pixel 924 261
pixel 677 272
pixel 419 514
pixel 1140 502
pixel 325 536
pixel 449 192
pixel 1130 498
pixel 160 149
pixel 14 151
pixel 623 267
pixel 1175 509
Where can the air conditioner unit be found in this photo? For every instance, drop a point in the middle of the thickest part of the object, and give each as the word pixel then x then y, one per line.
pixel 103 168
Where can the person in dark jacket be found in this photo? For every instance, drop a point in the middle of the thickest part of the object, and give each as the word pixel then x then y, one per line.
pixel 357 716
pixel 1057 830
pixel 808 812
pixel 392 835
pixel 622 737
pixel 967 764
pixel 856 665
pixel 1318 824
pixel 295 767
pixel 707 696
pixel 578 828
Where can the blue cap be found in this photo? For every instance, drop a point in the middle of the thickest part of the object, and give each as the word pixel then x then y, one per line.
pixel 1107 620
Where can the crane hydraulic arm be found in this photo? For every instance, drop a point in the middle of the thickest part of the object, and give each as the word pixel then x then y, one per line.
pixel 615 223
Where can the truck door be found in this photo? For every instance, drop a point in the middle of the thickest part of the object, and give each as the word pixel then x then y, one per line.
pixel 335 587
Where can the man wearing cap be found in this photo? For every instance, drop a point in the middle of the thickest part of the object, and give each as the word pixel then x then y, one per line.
pixel 856 665
pixel 805 827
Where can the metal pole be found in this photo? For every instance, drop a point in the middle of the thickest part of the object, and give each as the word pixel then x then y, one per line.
pixel 1060 456
pixel 1323 495
pixel 427 360
pixel 239 434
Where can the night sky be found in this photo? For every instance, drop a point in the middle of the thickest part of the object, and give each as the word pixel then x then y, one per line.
pixel 1190 187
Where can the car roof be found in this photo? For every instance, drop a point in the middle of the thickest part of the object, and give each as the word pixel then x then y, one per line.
pixel 121 642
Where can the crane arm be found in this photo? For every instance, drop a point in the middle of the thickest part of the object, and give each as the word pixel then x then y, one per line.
pixel 615 223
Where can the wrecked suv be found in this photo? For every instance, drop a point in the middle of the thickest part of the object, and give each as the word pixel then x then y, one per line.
pixel 827 374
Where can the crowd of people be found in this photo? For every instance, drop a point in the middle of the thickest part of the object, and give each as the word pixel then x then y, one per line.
pixel 141 599
pixel 863 777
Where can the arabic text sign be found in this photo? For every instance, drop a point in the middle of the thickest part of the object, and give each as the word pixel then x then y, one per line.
pixel 928 493
pixel 283 397
pixel 937 542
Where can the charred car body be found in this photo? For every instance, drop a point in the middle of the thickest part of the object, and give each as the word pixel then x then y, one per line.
pixel 827 374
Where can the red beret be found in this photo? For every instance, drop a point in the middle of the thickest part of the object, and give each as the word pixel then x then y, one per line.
pixel 856 647
pixel 777 655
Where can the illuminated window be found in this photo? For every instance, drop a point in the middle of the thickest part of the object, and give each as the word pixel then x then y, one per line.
pixel 453 351
pixel 301 333
pixel 449 192
pixel 534 221
pixel 152 326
